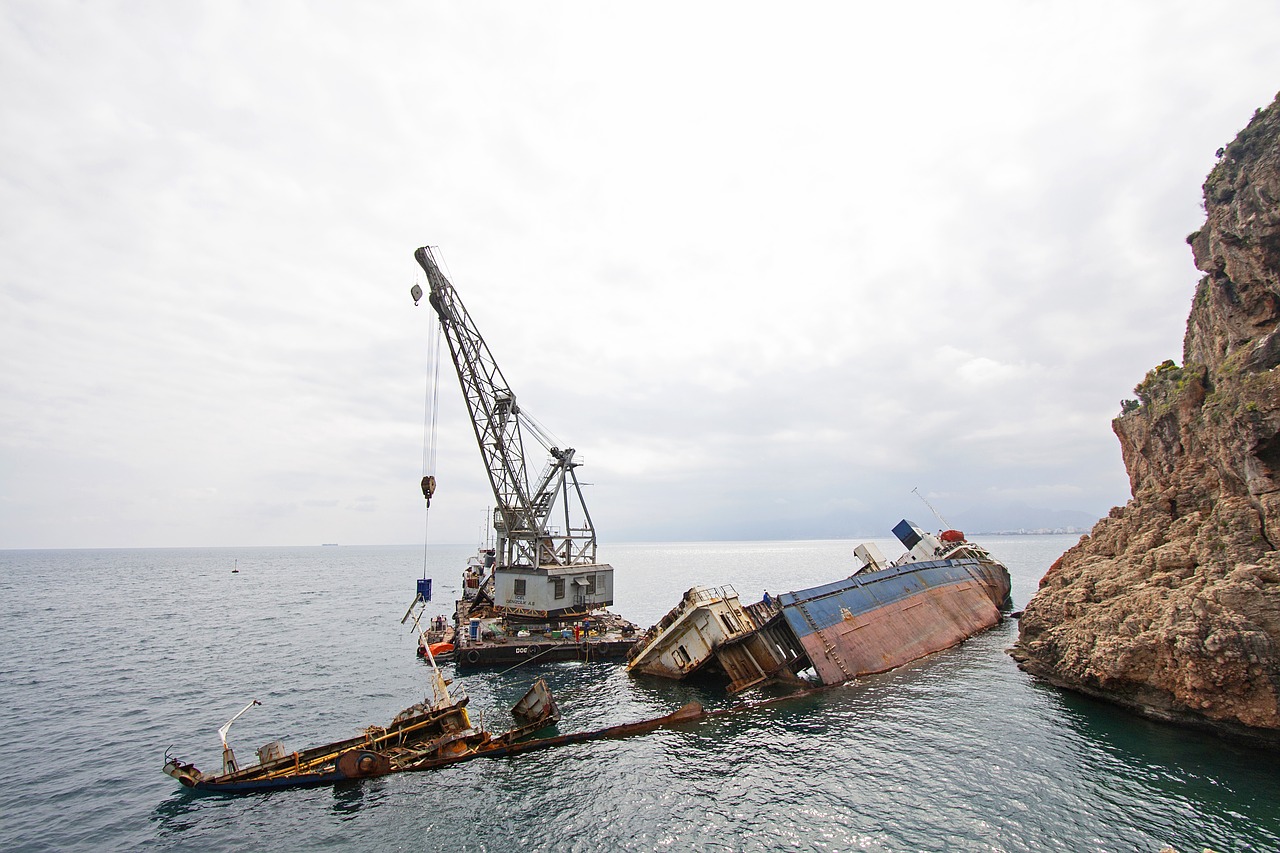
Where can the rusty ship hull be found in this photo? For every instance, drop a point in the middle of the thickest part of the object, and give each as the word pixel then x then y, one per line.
pixel 876 621
pixel 943 590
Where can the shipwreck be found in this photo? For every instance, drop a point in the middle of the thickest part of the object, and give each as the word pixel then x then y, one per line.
pixel 943 590
pixel 435 733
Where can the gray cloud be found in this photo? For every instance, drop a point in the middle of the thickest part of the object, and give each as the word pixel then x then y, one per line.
pixel 767 270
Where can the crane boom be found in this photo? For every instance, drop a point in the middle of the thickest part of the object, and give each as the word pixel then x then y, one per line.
pixel 525 505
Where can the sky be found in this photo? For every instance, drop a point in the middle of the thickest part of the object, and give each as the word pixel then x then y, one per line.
pixel 773 270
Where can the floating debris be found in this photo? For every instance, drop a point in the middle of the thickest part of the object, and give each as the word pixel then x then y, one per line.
pixel 423 738
pixel 435 731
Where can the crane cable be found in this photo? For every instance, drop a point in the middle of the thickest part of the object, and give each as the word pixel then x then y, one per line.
pixel 431 413
pixel 540 433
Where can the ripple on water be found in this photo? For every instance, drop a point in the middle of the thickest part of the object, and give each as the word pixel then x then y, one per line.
pixel 109 657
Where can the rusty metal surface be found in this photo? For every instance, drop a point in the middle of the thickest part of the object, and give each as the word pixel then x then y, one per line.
pixel 360 763
pixel 874 623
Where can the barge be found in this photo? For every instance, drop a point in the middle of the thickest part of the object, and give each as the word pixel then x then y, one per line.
pixel 943 590
pixel 484 634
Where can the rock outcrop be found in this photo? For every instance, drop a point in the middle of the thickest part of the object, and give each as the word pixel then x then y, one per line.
pixel 1171 606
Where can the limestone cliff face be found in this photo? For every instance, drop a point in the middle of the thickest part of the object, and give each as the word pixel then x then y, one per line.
pixel 1171 605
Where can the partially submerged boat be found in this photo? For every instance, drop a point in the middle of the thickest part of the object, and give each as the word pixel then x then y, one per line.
pixel 436 731
pixel 422 738
pixel 943 590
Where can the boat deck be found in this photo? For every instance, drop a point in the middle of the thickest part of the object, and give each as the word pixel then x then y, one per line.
pixel 492 641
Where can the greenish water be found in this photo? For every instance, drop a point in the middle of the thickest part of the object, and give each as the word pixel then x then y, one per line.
pixel 109 657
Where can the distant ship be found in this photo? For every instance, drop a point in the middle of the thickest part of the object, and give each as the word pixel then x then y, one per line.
pixel 943 590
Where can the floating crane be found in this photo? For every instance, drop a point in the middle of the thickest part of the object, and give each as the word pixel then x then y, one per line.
pixel 545 557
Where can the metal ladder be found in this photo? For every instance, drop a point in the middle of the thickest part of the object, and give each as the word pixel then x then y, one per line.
pixel 827 645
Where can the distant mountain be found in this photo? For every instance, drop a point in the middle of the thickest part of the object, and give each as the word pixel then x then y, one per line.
pixel 1023 519
pixel 866 524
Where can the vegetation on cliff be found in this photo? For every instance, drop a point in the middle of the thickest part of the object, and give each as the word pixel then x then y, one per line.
pixel 1171 605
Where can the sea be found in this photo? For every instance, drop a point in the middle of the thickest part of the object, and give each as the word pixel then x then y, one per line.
pixel 110 658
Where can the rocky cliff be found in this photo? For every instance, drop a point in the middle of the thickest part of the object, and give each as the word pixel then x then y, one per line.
pixel 1171 606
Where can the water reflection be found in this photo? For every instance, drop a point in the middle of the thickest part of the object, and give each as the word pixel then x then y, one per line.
pixel 962 752
pixel 177 814
pixel 350 798
pixel 1176 775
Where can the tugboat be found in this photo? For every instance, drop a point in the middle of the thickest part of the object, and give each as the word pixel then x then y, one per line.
pixel 540 592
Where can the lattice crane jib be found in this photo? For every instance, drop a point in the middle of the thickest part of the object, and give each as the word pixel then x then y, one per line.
pixel 523 518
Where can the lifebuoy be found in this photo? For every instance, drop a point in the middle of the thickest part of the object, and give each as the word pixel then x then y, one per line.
pixel 473 656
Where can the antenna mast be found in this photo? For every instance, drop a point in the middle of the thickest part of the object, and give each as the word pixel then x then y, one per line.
pixel 943 521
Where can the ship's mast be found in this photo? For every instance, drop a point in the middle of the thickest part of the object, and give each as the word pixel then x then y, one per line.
pixel 525 504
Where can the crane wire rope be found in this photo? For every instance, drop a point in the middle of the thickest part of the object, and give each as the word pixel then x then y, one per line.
pixel 431 417
pixel 540 433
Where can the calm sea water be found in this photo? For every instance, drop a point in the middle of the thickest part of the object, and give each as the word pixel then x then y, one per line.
pixel 108 657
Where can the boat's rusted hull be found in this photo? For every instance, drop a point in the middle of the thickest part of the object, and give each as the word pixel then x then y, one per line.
pixel 228 786
pixel 875 621
pixel 420 733
pixel 496 747
pixel 438 736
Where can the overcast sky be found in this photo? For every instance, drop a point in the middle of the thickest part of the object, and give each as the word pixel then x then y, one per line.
pixel 768 267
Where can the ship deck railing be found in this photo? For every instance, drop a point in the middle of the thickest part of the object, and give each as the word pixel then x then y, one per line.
pixel 703 594
pixel 694 598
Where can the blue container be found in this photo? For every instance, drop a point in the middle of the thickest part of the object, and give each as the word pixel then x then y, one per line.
pixel 424 588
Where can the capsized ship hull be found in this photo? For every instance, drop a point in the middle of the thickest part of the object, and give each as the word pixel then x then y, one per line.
pixel 876 621
pixel 943 590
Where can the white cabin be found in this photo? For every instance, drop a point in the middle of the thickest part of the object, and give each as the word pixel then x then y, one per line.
pixel 553 591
